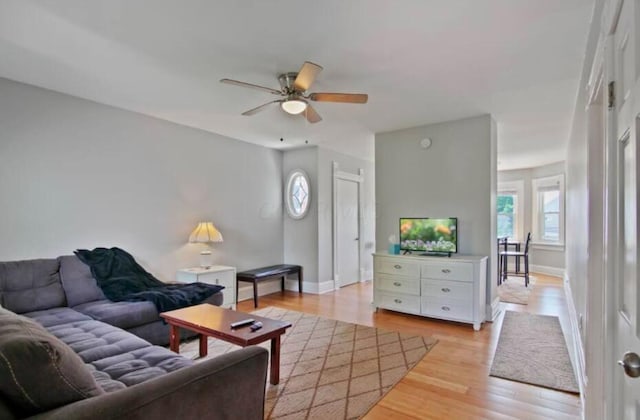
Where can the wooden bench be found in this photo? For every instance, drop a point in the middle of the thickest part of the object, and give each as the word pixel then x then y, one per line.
pixel 267 273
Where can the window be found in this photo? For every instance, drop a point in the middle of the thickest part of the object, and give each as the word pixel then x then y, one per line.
pixel 548 201
pixel 509 207
pixel 297 194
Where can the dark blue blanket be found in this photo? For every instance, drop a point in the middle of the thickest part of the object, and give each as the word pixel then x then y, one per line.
pixel 121 278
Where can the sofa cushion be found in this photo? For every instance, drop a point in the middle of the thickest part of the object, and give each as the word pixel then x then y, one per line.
pixel 79 285
pixel 31 285
pixel 124 357
pixel 120 314
pixel 95 340
pixel 29 354
pixel 56 316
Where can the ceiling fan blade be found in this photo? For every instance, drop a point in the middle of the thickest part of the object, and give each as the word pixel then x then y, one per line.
pixel 250 85
pixel 352 98
pixel 311 115
pixel 259 108
pixel 306 76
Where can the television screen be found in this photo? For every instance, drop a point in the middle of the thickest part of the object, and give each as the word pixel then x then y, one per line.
pixel 429 235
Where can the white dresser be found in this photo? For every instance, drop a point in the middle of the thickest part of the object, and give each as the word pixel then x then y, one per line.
pixel 438 287
pixel 216 274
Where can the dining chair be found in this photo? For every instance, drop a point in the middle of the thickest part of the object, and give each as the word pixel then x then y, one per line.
pixel 504 258
pixel 502 247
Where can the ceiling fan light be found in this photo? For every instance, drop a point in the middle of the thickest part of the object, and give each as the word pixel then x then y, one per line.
pixel 294 106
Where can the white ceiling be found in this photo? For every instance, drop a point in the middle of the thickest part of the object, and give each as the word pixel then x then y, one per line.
pixel 420 61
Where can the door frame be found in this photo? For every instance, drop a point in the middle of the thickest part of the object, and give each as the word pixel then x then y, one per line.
pixel 358 179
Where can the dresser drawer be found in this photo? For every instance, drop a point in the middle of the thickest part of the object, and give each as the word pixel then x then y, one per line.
pixel 402 268
pixel 448 271
pixel 447 289
pixel 402 303
pixel 447 308
pixel 396 284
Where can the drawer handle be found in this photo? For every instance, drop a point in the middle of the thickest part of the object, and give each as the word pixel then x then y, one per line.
pixel 446 308
pixel 397 266
pixel 446 289
pixel 446 270
pixel 397 300
pixel 397 283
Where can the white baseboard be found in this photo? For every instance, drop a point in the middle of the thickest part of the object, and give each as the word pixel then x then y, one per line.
pixel 576 336
pixel 273 286
pixel 494 309
pixel 319 288
pixel 544 269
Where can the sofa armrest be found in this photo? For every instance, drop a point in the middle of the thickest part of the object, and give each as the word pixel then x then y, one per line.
pixel 230 386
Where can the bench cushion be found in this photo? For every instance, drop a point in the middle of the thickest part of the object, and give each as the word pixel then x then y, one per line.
pixel 270 271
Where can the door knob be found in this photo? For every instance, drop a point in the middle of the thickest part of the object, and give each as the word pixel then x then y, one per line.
pixel 357 239
pixel 631 364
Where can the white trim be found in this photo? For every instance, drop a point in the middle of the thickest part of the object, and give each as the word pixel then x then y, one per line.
pixel 538 184
pixel 545 269
pixel 367 275
pixel 358 179
pixel 578 350
pixel 288 196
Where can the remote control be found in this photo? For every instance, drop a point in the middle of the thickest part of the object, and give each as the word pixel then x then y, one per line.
pixel 243 322
pixel 256 326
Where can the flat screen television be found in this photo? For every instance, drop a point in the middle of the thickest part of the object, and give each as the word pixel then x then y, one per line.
pixel 429 235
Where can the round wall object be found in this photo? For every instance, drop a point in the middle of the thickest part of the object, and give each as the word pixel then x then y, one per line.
pixel 297 194
pixel 425 143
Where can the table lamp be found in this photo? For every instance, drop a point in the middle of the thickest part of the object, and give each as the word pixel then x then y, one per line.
pixel 205 233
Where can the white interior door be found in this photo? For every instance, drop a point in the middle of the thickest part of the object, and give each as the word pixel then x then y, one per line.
pixel 347 233
pixel 627 321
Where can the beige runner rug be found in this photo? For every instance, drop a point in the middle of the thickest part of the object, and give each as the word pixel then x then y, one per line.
pixel 532 349
pixel 513 290
pixel 330 369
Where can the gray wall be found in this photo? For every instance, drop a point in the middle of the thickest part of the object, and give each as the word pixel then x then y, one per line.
pixel 454 177
pixel 309 241
pixel 538 256
pixel 301 236
pixel 325 228
pixel 77 174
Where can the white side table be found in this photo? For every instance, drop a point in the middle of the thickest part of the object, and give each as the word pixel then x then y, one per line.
pixel 216 274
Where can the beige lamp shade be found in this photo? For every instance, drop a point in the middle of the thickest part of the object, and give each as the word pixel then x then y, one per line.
pixel 205 232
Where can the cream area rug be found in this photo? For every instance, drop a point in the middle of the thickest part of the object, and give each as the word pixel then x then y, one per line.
pixel 532 349
pixel 513 291
pixel 330 369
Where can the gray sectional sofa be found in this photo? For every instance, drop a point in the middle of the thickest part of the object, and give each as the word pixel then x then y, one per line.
pixel 55 316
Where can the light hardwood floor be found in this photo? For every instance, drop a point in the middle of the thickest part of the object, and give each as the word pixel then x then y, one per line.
pixel 452 381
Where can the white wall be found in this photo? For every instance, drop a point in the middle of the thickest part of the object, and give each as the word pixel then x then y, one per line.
pixel 454 177
pixel 77 174
pixel 538 256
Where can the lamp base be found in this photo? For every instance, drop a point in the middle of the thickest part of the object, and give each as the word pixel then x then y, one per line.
pixel 205 259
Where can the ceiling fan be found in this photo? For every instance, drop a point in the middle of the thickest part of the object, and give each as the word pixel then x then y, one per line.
pixel 294 99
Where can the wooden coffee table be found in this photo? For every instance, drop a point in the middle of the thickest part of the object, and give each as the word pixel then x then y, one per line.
pixel 213 321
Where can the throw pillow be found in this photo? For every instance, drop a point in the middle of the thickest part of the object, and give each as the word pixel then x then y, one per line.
pixel 38 372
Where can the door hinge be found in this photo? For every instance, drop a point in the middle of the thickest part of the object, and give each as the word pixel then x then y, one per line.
pixel 612 94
